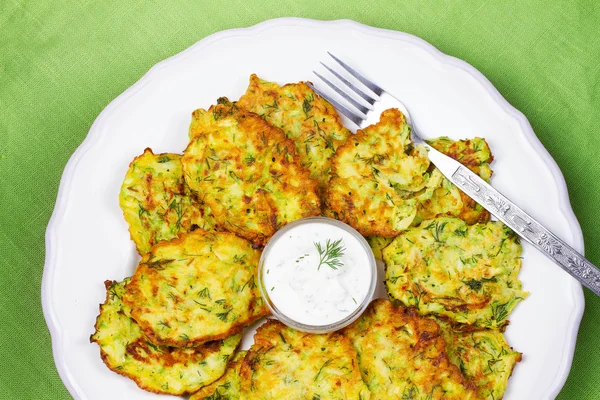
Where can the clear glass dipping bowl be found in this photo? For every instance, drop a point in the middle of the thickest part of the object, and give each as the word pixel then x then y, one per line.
pixel 337 324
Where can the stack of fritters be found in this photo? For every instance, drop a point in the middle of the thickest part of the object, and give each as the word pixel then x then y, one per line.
pixel 247 172
pixel 197 220
pixel 126 350
pixel 442 256
pixel 382 184
pixel 398 353
pixel 306 118
pixel 279 154
pixel 173 325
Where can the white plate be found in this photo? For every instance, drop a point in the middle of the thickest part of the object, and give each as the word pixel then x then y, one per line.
pixel 87 240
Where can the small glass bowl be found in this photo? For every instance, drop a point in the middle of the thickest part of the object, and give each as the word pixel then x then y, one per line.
pixel 335 325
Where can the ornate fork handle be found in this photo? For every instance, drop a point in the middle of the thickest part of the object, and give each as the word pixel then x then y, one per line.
pixel 528 228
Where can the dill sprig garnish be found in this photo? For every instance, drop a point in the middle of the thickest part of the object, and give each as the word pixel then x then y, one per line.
pixel 331 254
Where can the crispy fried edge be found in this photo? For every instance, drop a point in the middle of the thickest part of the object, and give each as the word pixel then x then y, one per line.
pixel 149 151
pixel 255 81
pixel 462 329
pixel 138 381
pixel 149 332
pixel 103 356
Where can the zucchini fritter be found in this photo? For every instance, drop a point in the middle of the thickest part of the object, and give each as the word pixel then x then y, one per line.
pixel 482 355
pixel 307 119
pixel 382 184
pixel 443 197
pixel 473 153
pixel 403 356
pixel 156 202
pixel 197 288
pixel 284 363
pixel 375 176
pixel 248 171
pixel 227 387
pixel 466 273
pixel 126 350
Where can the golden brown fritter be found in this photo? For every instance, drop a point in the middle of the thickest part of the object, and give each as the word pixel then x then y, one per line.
pixel 306 118
pixel 227 387
pixel 382 184
pixel 476 155
pixel 375 176
pixel 248 172
pixel 159 369
pixel 482 355
pixel 197 288
pixel 473 153
pixel 403 356
pixel 156 202
pixel 466 273
pixel 284 363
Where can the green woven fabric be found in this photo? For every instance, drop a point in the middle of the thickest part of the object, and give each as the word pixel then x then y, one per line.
pixel 62 62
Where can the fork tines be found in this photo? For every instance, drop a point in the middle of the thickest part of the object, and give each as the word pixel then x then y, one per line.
pixel 361 105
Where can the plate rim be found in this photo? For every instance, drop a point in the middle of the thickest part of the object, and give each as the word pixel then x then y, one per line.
pixel 95 133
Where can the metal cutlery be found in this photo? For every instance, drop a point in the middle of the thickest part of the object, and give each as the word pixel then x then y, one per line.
pixel 365 106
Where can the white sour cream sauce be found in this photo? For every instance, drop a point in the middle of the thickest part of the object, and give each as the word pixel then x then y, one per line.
pixel 308 294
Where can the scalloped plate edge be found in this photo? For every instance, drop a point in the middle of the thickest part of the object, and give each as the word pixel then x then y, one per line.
pixel 95 134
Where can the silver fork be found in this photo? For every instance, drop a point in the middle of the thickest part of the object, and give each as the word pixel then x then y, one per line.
pixel 366 106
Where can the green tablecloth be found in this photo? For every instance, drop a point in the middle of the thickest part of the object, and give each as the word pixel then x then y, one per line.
pixel 62 62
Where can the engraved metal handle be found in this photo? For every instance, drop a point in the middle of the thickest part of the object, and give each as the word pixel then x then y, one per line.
pixel 527 227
